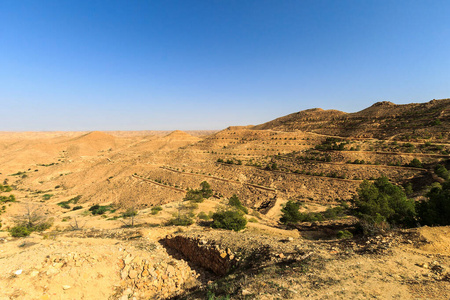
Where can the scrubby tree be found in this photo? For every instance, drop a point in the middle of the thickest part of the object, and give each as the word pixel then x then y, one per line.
pixel 229 219
pixel 30 221
pixel 194 196
pixel 383 201
pixel 290 213
pixel 442 172
pixel 235 202
pixel 415 163
pixel 198 196
pixel 436 211
pixel 206 189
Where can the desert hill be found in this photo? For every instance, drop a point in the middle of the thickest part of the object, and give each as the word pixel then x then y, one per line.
pixel 181 135
pixel 317 158
pixel 382 120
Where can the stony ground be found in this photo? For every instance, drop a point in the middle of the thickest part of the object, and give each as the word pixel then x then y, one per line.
pixel 134 263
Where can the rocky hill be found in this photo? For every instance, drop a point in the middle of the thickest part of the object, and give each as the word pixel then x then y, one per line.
pixel 383 120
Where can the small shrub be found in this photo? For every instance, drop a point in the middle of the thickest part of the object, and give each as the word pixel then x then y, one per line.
pixel 203 216
pixel 436 210
pixel 290 213
pixel 181 220
pixel 99 210
pixel 194 195
pixel 47 196
pixel 64 204
pixel 5 188
pixel 255 213
pixel 10 198
pixel 206 189
pixel 77 207
pixel 415 163
pixel 20 231
pixel 253 220
pixel 42 226
pixel 191 205
pixel 131 212
pixel 229 219
pixel 442 172
pixel 344 234
pixel 156 209
pixel 235 202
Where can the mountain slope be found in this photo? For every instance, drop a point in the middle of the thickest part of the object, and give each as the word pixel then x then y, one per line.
pixel 381 120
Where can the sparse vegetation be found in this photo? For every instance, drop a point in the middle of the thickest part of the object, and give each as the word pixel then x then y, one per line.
pixel 47 196
pixel 5 188
pixel 229 219
pixel 266 260
pixel 66 204
pixel 156 209
pixel 203 216
pixel 10 198
pixel 235 202
pixel 184 219
pixel 31 221
pixel 199 195
pixel 344 234
pixel 435 210
pixel 131 214
pixel 442 172
pixel 100 210
pixel 290 213
pixel 383 203
pixel 415 163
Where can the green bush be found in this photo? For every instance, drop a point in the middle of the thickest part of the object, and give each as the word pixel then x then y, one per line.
pixel 334 212
pixel 42 226
pixel 203 216
pixel 5 188
pixel 344 234
pixel 99 210
pixel 131 212
pixel 34 223
pixel 75 199
pixel 20 231
pixel 415 163
pixel 47 196
pixel 206 189
pixel 229 219
pixel 64 204
pixel 235 202
pixel 383 201
pixel 155 210
pixel 194 195
pixel 10 198
pixel 442 172
pixel 435 211
pixel 181 220
pixel 290 213
pixel 77 207
pixel 198 196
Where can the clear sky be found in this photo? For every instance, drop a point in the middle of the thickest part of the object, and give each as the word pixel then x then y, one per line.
pixel 191 64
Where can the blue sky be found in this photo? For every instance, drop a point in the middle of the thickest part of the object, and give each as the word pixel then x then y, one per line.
pixel 164 65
